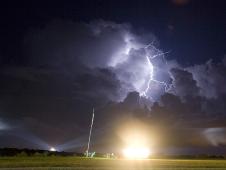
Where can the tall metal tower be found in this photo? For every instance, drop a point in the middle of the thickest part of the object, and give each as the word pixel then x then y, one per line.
pixel 90 133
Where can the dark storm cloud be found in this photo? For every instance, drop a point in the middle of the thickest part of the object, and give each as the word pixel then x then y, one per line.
pixel 77 56
pixel 99 82
pixel 66 42
pixel 184 83
pixel 29 88
pixel 43 99
pixel 72 67
pixel 205 85
pixel 184 123
pixel 195 104
pixel 210 78
pixel 67 71
pixel 79 47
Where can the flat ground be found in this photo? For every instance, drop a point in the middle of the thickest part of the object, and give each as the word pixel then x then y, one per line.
pixel 75 163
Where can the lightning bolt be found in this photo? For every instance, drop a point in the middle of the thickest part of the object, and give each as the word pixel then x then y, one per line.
pixel 167 87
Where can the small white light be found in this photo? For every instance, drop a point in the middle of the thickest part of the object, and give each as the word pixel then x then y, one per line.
pixel 52 149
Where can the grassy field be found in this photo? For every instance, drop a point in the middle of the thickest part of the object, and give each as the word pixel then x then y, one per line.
pixel 69 163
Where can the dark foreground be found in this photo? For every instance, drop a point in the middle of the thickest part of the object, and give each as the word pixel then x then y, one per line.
pixel 69 163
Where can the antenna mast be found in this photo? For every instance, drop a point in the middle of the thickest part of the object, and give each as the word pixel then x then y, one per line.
pixel 90 133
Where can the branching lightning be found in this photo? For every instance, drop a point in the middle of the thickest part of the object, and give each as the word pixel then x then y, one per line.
pixel 147 74
pixel 149 63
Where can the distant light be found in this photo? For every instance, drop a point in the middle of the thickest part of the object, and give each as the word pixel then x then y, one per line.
pixel 136 152
pixel 52 149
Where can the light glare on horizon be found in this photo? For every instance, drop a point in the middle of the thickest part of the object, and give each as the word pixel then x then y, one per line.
pixel 136 152
pixel 136 146
pixel 52 149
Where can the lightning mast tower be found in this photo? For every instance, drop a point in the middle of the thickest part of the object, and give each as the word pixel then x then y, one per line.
pixel 90 133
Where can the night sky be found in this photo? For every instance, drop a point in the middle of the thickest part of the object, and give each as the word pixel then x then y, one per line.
pixel 158 65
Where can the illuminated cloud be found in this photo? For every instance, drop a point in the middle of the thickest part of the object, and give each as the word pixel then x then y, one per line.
pixel 82 47
pixel 210 78
pixel 216 136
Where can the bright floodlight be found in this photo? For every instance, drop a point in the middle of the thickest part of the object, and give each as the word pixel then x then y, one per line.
pixel 52 149
pixel 136 152
pixel 136 149
pixel 136 145
pixel 136 138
